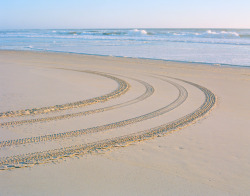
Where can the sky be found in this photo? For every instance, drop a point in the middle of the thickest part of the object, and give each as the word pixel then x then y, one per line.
pixel 52 14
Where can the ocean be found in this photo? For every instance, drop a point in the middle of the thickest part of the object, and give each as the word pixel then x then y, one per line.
pixel 213 46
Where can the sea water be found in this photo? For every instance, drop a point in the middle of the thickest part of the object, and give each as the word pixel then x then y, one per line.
pixel 213 46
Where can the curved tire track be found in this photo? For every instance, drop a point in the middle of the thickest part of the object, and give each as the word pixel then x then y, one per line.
pixel 149 91
pixel 121 89
pixel 46 156
pixel 178 101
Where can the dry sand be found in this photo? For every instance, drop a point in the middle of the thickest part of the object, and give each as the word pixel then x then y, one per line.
pixel 91 125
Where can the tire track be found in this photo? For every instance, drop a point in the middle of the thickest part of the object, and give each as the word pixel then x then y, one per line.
pixel 178 101
pixel 148 92
pixel 122 88
pixel 30 159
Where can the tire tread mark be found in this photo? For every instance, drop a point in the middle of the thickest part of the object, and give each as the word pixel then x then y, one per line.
pixel 30 159
pixel 149 91
pixel 122 88
pixel 178 101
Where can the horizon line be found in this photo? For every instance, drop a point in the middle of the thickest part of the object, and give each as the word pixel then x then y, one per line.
pixel 125 28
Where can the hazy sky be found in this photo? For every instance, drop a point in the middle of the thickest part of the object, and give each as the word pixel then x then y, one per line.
pixel 124 14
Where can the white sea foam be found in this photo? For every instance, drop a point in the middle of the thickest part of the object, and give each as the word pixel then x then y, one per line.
pixel 137 32
pixel 211 32
pixel 223 33
pixel 219 46
pixel 230 33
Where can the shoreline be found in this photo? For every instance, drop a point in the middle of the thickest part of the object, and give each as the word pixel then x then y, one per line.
pixel 142 58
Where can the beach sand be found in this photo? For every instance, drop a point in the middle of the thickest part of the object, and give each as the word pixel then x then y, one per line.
pixel 75 124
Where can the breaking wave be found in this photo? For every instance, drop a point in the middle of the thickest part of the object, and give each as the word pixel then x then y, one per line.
pixel 214 45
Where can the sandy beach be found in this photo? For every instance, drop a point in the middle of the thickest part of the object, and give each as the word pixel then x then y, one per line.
pixel 73 124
